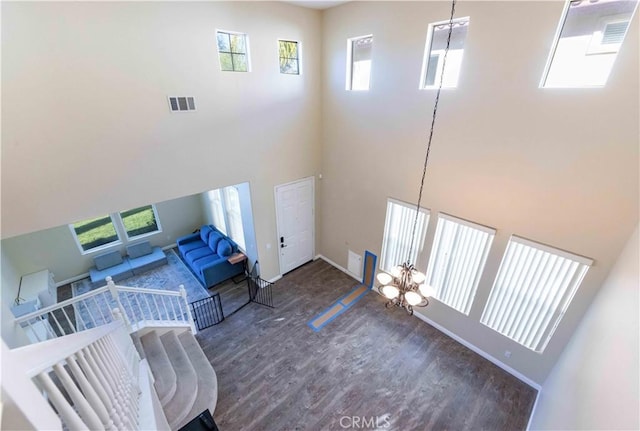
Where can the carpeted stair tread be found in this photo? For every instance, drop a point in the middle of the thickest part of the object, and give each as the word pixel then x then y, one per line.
pixel 161 367
pixel 138 345
pixel 207 394
pixel 182 401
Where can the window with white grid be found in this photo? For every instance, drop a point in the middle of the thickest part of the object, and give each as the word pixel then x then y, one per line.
pixel 532 291
pixel 458 255
pixel 398 227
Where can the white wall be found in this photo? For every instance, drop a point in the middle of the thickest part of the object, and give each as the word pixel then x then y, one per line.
pixel 556 166
pixel 86 124
pixel 594 384
pixel 12 334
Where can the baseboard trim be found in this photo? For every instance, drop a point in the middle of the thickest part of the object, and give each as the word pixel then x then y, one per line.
pixel 274 279
pixel 533 410
pixel 72 279
pixel 460 340
pixel 332 263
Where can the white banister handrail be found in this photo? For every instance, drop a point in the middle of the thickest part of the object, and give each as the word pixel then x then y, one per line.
pixel 139 307
pixel 62 304
pixel 37 357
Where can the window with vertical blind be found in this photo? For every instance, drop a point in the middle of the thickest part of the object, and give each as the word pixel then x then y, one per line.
pixel 458 255
pixel 234 215
pixel 226 214
pixel 532 291
pixel 398 227
pixel 217 210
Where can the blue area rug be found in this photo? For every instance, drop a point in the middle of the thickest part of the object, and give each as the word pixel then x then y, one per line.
pixel 166 277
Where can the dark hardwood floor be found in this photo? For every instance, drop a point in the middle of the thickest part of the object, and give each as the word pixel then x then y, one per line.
pixel 275 373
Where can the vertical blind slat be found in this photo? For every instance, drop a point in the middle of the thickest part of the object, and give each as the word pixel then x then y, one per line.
pixel 531 292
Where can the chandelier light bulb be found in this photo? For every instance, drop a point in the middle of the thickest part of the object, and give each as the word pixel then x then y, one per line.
pixel 396 271
pixel 384 278
pixel 418 277
pixel 427 290
pixel 390 291
pixel 413 298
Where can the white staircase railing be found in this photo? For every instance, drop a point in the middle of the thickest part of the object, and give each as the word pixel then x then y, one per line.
pixel 90 378
pixel 139 307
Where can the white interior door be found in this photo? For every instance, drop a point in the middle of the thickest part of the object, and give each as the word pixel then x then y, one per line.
pixel 294 214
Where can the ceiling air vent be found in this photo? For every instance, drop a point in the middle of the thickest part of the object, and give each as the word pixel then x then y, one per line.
pixel 182 104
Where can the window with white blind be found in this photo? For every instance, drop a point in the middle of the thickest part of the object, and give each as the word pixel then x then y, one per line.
pixel 359 62
pixel 398 227
pixel 458 255
pixel 234 215
pixel 533 289
pixel 217 210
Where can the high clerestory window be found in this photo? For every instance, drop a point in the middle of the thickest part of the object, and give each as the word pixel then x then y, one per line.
pixel 233 51
pixel 359 63
pixel 433 65
pixel 289 57
pixel 587 42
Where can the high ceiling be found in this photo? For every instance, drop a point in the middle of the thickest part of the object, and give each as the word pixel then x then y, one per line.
pixel 315 4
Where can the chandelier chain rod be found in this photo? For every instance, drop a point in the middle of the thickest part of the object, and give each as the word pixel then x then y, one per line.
pixel 433 121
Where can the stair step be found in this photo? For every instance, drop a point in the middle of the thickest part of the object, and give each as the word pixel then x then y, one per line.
pixel 138 345
pixel 177 409
pixel 207 394
pixel 161 367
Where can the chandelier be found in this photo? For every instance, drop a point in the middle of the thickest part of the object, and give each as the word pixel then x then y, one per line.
pixel 405 287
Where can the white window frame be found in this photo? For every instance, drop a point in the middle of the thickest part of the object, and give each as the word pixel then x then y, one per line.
pixel 418 244
pixel 534 281
pixel 222 213
pixel 216 204
pixel 556 39
pixel 246 45
pixel 455 272
pixel 144 235
pixel 298 44
pixel 427 56
pixel 349 73
pixel 231 213
pixel 101 247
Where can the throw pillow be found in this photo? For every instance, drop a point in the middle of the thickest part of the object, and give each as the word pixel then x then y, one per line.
pixel 204 234
pixel 213 240
pixel 224 248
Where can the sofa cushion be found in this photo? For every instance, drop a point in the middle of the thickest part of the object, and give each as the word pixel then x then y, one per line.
pixel 140 249
pixel 205 231
pixel 214 238
pixel 198 253
pixel 107 260
pixel 187 247
pixel 224 249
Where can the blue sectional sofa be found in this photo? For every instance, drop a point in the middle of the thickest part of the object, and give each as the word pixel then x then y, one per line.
pixel 207 253
pixel 140 257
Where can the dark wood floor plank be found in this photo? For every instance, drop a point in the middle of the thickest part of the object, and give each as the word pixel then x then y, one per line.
pixel 275 373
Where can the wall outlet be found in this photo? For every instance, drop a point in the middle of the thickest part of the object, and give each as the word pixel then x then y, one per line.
pixel 507 354
pixel 268 246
